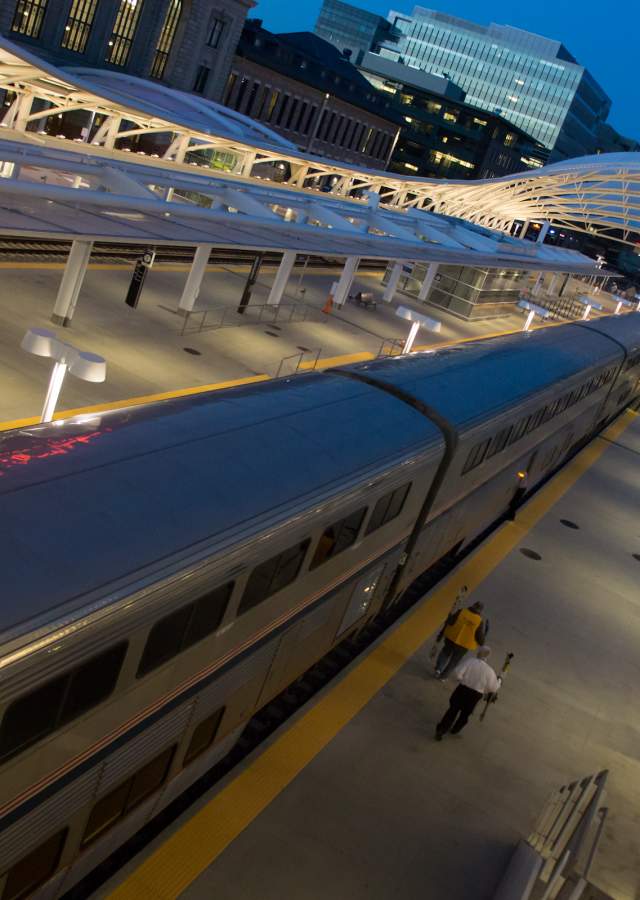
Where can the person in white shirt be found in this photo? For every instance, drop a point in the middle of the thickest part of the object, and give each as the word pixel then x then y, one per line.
pixel 476 678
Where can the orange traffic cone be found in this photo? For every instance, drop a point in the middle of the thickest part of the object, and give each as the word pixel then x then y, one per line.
pixel 328 305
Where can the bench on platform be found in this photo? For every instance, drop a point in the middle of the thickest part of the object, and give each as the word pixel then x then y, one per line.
pixel 364 298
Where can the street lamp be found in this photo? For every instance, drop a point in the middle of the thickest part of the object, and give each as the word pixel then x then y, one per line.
pixel 417 321
pixel 88 366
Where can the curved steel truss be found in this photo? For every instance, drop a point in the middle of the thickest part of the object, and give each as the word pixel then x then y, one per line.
pixel 599 195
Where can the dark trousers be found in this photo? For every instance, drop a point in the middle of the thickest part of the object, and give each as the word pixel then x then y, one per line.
pixel 462 703
pixel 516 502
pixel 449 657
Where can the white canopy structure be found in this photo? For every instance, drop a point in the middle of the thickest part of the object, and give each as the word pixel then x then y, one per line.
pixel 58 194
pixel 593 194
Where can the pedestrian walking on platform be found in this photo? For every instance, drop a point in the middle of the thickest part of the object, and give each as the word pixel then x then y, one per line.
pixel 463 631
pixel 476 679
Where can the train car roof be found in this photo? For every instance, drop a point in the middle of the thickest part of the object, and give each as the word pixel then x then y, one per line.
pixel 625 329
pixel 475 380
pixel 92 500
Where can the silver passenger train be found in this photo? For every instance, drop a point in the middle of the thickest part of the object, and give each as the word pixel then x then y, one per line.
pixel 167 570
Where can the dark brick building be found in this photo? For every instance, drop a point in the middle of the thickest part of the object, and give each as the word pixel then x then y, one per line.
pixel 186 44
pixel 303 87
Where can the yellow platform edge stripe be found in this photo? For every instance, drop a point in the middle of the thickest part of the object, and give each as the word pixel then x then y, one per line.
pixel 324 363
pixel 183 856
pixel 135 401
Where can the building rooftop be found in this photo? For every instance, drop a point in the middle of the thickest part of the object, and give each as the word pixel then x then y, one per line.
pixel 310 59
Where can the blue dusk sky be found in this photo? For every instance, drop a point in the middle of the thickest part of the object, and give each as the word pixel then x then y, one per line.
pixel 603 37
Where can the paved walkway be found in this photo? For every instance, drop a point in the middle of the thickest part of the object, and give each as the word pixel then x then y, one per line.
pixel 145 351
pixel 354 800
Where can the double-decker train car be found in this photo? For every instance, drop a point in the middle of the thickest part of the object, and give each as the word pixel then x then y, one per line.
pixel 168 569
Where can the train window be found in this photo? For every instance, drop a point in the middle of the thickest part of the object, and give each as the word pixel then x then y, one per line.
pixel 520 429
pixel 387 508
pixel 34 869
pixel 538 417
pixel 273 575
pixel 165 639
pixel 59 701
pixel 92 683
pixel 149 778
pixel 208 614
pixel 203 736
pixel 532 423
pixel 106 813
pixel 183 628
pixel 338 537
pixel 500 441
pixel 555 408
pixel 476 455
pixel 131 793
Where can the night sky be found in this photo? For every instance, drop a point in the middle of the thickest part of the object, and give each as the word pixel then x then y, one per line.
pixel 603 36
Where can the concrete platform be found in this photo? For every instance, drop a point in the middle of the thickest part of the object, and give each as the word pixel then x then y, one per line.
pixel 145 351
pixel 354 799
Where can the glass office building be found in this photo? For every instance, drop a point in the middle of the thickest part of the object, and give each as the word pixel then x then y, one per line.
pixel 350 28
pixel 532 81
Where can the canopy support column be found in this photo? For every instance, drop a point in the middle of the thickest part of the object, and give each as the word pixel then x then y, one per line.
pixel 282 277
pixel 392 284
pixel 544 230
pixel 554 282
pixel 345 280
pixel 538 284
pixel 425 287
pixel 194 279
pixel 72 279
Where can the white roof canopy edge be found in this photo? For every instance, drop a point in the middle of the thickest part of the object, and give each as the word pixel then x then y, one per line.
pixel 69 195
pixel 595 194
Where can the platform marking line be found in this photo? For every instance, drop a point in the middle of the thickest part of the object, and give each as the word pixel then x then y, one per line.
pixel 183 856
pixel 323 363
pixel 136 401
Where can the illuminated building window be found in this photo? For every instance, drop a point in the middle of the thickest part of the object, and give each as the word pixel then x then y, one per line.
pixel 165 40
pixel 123 32
pixel 78 27
pixel 448 159
pixel 27 19
pixel 231 83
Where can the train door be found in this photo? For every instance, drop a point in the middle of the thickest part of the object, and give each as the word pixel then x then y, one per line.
pixel 361 599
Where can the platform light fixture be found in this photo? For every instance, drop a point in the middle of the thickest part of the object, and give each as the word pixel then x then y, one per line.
pixel 417 321
pixel 532 310
pixel 589 304
pixel 81 363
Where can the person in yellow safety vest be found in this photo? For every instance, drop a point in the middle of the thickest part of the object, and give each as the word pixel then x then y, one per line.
pixel 463 631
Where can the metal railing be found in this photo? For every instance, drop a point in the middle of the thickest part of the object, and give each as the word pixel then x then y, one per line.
pixel 391 347
pixel 556 859
pixel 214 317
pixel 290 365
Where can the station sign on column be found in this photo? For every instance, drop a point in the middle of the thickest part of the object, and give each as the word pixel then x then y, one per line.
pixel 142 266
